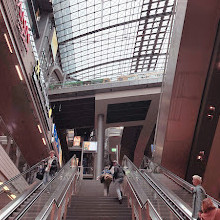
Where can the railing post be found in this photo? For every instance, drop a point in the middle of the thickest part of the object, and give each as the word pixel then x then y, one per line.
pixel 139 213
pixel 52 216
pixel 132 208
pixel 59 212
pixel 66 204
pixel 147 211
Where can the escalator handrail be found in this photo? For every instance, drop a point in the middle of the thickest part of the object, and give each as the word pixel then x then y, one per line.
pixel 135 193
pixel 12 206
pixel 186 185
pixel 171 197
pixel 44 213
pixel 39 194
pixel 22 174
pixel 22 198
pixel 152 185
pixel 141 203
pixel 23 212
pixel 154 210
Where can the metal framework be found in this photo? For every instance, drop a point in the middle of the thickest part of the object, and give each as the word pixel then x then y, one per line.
pixel 111 38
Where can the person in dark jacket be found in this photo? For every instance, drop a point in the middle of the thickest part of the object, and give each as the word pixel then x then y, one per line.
pixel 51 167
pixel 118 177
pixel 198 195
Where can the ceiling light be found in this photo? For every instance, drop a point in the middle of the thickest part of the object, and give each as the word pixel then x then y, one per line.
pixel 8 43
pixel 44 141
pixel 13 196
pixel 39 128
pixel 19 72
pixel 5 188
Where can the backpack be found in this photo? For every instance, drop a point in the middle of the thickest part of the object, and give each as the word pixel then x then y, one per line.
pixel 119 172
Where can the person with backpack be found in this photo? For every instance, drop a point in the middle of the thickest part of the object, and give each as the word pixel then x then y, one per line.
pixel 199 195
pixel 51 167
pixel 118 178
pixel 106 178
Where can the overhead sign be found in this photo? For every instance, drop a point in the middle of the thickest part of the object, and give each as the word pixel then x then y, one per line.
pixel 90 146
pixel 22 24
pixel 55 135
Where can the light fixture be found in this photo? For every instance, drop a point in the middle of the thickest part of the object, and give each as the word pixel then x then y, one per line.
pixel 210 116
pixel 212 108
pixel 8 43
pixel 44 141
pixel 1 183
pixel 39 128
pixel 5 188
pixel 19 72
pixel 13 196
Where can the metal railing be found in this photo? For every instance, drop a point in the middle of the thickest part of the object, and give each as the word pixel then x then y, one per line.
pixel 153 167
pixel 64 187
pixel 17 185
pixel 59 187
pixel 141 206
pixel 139 76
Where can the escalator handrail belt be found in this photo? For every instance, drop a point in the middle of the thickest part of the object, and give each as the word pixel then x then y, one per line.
pixel 57 200
pixel 141 204
pixel 11 207
pixel 39 194
pixel 178 203
pixel 186 185
pixel 23 173
pixel 154 210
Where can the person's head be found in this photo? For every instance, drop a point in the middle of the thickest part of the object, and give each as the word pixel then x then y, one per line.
pixel 207 205
pixel 115 162
pixel 106 167
pixel 52 153
pixel 196 180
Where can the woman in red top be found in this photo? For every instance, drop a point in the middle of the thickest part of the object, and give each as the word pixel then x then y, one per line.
pixel 210 212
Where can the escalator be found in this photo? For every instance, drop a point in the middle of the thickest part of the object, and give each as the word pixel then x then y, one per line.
pixel 32 197
pixel 150 194
pixel 177 190
pixel 165 205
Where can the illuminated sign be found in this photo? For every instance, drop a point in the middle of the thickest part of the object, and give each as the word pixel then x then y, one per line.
pixel 90 146
pixel 76 141
pixel 22 24
pixel 113 149
pixel 54 44
pixel 56 137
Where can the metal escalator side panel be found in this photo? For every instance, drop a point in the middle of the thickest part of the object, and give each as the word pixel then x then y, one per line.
pixel 13 205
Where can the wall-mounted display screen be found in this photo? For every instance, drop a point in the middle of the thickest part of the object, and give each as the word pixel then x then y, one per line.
pixel 90 146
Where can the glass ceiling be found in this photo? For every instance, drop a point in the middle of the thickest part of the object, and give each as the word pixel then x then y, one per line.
pixel 109 38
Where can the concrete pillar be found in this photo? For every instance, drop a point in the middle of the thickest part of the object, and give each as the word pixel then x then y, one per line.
pixel 100 145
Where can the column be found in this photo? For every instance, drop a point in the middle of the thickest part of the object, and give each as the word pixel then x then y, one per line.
pixel 100 143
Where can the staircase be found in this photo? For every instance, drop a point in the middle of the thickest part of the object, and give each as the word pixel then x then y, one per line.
pixel 90 204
